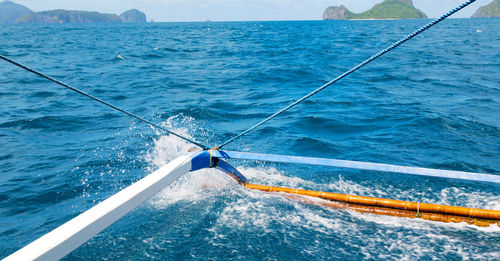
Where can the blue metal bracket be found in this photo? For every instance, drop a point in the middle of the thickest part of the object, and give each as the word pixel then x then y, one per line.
pixel 204 159
pixel 231 171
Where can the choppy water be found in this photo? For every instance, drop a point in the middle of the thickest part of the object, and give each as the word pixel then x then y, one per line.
pixel 434 102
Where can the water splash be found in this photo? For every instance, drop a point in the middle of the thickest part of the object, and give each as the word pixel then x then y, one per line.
pixel 255 210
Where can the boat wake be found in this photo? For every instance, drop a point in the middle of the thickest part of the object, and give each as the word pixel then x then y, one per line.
pixel 251 215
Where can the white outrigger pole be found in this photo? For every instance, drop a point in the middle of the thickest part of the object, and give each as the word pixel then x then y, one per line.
pixel 66 238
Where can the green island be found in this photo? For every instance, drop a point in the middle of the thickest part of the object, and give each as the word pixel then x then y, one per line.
pixel 12 13
pixel 488 11
pixel 388 9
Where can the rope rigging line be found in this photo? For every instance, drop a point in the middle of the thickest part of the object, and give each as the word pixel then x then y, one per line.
pixel 355 68
pixel 101 101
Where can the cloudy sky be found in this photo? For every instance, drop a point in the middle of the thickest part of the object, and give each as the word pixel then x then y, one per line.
pixel 237 10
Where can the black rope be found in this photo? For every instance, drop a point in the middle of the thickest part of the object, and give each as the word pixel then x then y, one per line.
pixel 101 101
pixel 355 68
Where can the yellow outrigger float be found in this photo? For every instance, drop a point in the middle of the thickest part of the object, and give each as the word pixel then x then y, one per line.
pixel 390 207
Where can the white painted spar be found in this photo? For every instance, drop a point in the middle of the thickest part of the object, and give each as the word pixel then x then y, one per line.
pixel 451 174
pixel 64 239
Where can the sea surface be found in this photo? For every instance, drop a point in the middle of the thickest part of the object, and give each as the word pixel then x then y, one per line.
pixel 434 102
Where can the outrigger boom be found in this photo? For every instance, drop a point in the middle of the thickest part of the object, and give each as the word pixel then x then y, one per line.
pixel 64 239
pixel 359 165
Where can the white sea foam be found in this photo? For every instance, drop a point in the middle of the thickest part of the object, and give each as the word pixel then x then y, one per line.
pixel 471 199
pixel 258 212
pixel 169 147
pixel 119 56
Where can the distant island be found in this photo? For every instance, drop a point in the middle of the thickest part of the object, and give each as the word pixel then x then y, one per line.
pixel 11 13
pixel 388 9
pixel 488 11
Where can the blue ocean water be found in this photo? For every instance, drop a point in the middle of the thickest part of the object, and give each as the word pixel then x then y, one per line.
pixel 434 102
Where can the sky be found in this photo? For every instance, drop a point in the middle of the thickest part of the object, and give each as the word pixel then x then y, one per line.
pixel 238 10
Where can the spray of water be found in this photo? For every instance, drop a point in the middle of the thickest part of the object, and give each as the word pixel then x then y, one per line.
pixel 255 211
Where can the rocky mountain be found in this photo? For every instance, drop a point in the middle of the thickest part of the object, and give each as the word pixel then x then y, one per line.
pixel 388 9
pixel 10 12
pixel 133 16
pixel 69 16
pixel 337 13
pixel 487 11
